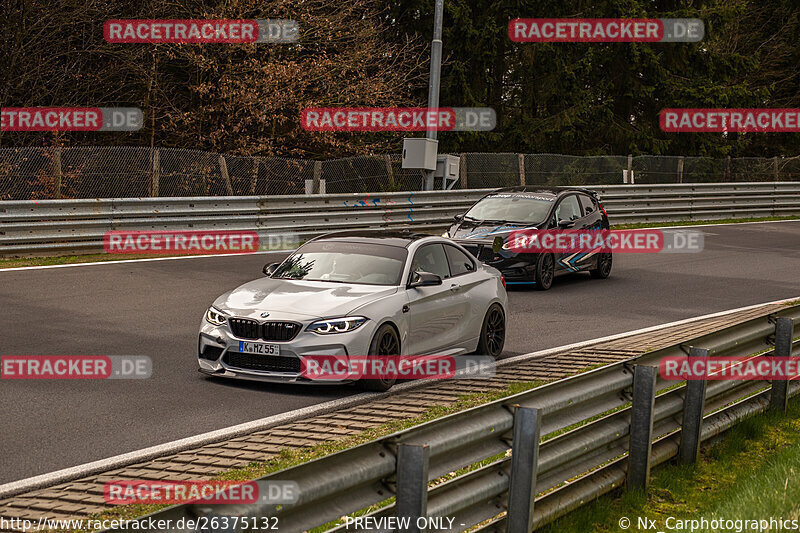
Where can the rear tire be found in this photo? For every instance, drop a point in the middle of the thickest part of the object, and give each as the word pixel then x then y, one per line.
pixel 493 332
pixel 545 272
pixel 384 343
pixel 604 263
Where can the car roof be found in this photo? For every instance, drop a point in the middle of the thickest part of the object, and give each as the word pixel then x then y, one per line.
pixel 540 189
pixel 402 238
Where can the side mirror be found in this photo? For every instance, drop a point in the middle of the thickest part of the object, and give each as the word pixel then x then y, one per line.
pixel 564 224
pixel 269 269
pixel 425 279
pixel 459 217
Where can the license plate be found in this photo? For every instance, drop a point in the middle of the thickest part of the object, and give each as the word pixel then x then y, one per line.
pixel 259 348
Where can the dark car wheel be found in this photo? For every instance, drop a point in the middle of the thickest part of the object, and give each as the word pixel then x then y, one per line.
pixel 603 269
pixel 545 272
pixel 384 343
pixel 493 332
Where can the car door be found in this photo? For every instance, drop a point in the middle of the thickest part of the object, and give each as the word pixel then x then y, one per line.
pixel 465 281
pixel 568 216
pixel 434 311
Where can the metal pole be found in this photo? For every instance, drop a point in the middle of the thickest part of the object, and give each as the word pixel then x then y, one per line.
pixel 644 395
pixel 778 400
pixel 412 484
pixel 693 406
pixel 524 460
pixel 435 77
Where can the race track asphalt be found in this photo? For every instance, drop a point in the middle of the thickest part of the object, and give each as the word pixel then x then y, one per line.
pixel 154 309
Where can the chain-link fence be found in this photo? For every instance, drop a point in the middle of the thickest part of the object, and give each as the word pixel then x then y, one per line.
pixel 108 172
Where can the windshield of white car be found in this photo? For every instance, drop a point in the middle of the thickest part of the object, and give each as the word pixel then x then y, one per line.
pixel 343 262
pixel 511 208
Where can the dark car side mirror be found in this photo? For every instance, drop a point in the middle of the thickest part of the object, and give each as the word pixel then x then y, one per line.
pixel 458 218
pixel 425 279
pixel 269 269
pixel 564 224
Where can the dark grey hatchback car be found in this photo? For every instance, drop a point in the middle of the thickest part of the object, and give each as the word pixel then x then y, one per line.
pixel 487 226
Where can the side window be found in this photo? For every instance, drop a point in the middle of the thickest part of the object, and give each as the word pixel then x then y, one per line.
pixel 588 204
pixel 568 210
pixel 432 259
pixel 460 263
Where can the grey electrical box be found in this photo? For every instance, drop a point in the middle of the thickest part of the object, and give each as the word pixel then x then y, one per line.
pixel 420 153
pixel 447 167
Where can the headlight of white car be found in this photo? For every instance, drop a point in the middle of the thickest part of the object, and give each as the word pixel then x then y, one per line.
pixel 216 317
pixel 336 325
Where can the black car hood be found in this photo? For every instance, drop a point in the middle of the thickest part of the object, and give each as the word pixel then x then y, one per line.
pixel 483 232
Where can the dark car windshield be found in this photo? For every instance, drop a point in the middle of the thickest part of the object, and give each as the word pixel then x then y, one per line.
pixel 345 262
pixel 529 209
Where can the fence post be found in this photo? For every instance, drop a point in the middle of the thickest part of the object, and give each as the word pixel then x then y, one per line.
pixel 693 407
pixel 57 172
pixel 412 484
pixel 641 436
pixel 630 168
pixel 462 165
pixel 680 169
pixel 223 168
pixel 775 167
pixel 315 183
pixel 524 461
pixel 254 178
pixel 728 168
pixel 778 400
pixel 521 169
pixel 155 172
pixel 387 159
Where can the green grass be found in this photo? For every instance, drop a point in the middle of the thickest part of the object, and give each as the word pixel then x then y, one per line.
pixel 752 473
pixel 96 258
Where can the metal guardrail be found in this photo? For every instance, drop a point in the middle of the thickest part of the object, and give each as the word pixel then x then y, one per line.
pixel 600 429
pixel 78 226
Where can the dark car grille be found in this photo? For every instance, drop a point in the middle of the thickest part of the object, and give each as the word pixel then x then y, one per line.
pixel 265 363
pixel 244 328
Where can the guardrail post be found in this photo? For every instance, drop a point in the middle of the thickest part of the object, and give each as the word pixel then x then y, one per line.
pixel 784 327
pixel 693 406
pixel 641 436
pixel 524 461
pixel 412 484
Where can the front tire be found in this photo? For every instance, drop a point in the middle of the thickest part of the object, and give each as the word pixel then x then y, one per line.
pixel 493 332
pixel 545 272
pixel 384 343
pixel 603 270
